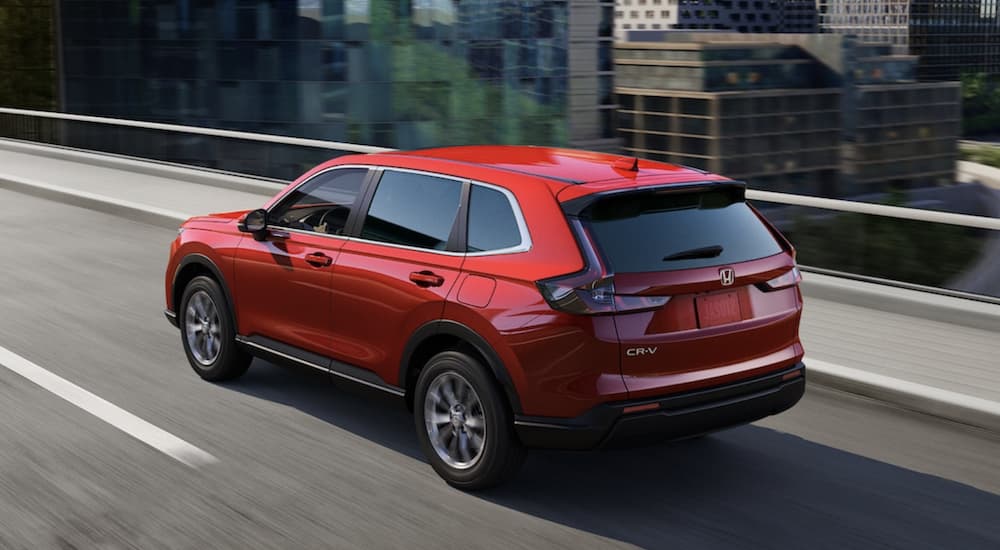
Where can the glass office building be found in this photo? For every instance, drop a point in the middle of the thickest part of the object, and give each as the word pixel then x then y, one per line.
pixel 950 37
pixel 799 113
pixel 395 73
pixel 27 54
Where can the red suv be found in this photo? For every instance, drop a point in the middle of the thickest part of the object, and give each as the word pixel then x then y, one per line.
pixel 513 296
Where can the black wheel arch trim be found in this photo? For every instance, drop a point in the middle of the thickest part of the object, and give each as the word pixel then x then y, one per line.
pixel 206 262
pixel 454 328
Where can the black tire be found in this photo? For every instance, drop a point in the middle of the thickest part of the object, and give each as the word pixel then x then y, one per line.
pixel 230 361
pixel 501 452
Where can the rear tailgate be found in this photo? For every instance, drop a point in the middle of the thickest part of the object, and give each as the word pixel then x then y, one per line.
pixel 712 255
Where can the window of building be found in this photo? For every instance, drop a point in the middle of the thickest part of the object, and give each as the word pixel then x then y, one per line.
pixel 413 210
pixel 665 14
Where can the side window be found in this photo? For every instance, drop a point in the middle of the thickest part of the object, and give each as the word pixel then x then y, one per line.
pixel 413 210
pixel 492 225
pixel 322 204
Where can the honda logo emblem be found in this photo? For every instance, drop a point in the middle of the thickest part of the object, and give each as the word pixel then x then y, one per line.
pixel 727 276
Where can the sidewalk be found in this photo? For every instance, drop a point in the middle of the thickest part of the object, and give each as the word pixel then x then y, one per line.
pixel 934 353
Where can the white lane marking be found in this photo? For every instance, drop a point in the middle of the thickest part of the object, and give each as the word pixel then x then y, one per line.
pixel 913 389
pixel 125 421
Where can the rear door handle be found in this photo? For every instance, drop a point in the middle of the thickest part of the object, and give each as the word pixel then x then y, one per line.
pixel 318 259
pixel 426 278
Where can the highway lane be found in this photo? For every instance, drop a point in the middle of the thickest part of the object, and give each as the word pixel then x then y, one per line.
pixel 306 464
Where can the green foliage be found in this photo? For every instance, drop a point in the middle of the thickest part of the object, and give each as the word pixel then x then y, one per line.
pixel 878 246
pixel 983 154
pixel 27 54
pixel 448 101
pixel 980 104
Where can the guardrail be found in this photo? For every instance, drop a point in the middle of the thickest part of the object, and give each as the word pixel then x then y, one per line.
pixel 25 122
pixel 198 130
pixel 838 205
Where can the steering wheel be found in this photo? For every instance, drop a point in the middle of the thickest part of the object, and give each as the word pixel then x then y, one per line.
pixel 341 217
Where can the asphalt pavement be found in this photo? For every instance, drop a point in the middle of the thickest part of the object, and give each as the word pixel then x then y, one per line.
pixel 304 463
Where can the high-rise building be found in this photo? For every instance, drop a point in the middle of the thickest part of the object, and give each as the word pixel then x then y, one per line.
pixel 949 37
pixel 793 16
pixel 28 54
pixel 398 73
pixel 815 114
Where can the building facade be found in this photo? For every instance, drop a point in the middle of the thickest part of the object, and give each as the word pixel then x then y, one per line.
pixel 949 38
pixel 773 16
pixel 814 114
pixel 28 54
pixel 407 74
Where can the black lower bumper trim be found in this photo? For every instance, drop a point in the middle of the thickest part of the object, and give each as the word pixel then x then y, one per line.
pixel 676 417
pixel 171 316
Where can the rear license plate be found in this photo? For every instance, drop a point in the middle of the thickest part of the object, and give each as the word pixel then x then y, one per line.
pixel 718 309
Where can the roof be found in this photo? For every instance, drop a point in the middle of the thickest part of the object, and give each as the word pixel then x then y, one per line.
pixel 565 165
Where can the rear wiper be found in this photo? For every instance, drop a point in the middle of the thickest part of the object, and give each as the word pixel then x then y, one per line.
pixel 703 252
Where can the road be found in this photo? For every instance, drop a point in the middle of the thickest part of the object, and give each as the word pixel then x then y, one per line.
pixel 306 464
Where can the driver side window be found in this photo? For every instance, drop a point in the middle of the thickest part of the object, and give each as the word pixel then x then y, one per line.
pixel 322 204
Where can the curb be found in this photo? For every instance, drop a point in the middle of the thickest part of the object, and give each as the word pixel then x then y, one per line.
pixel 954 406
pixel 126 209
pixel 903 301
pixel 203 176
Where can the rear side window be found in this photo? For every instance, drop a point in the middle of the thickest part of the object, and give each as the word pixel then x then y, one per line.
pixel 492 225
pixel 413 210
pixel 668 231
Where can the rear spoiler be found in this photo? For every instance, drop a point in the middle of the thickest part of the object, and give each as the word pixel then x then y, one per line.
pixel 575 207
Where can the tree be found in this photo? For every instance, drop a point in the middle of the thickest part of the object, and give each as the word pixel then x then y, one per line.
pixel 980 104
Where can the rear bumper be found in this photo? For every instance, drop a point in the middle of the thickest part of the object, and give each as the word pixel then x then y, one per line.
pixel 670 417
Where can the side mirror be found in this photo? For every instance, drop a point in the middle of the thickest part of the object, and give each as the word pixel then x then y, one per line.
pixel 255 222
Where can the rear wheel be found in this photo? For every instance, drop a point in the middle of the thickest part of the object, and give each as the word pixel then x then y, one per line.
pixel 463 423
pixel 208 333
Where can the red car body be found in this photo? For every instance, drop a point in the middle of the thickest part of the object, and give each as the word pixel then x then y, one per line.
pixel 707 348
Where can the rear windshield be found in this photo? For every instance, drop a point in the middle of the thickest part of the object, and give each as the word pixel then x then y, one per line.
pixel 666 231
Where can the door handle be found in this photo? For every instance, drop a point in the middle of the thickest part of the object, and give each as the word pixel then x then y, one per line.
pixel 318 259
pixel 426 278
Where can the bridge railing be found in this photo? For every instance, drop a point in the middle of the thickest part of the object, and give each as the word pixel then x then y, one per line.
pixel 922 248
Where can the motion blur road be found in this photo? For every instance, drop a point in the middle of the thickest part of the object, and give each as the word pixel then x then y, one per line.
pixel 304 463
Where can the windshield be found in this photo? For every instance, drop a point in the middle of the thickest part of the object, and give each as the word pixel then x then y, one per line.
pixel 666 231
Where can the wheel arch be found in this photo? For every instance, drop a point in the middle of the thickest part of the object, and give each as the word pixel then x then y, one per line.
pixel 192 266
pixel 442 335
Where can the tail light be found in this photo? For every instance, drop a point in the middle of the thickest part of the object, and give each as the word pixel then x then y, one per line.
pixel 590 292
pixel 789 278
pixel 595 297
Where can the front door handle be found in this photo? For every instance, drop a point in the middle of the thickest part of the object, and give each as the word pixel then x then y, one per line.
pixel 426 278
pixel 318 259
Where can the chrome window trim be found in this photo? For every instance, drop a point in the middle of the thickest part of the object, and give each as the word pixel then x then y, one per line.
pixel 522 225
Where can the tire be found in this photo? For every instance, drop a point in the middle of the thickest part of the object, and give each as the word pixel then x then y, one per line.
pixel 210 344
pixel 483 416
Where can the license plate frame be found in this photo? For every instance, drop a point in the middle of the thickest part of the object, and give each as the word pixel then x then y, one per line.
pixel 717 309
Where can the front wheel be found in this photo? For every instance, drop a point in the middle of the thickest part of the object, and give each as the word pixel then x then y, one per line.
pixel 208 333
pixel 464 424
